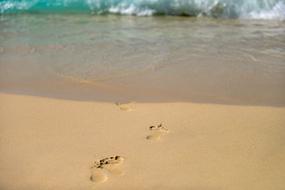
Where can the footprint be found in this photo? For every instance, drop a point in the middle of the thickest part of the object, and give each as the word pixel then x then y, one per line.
pixel 154 136
pixel 98 175
pixel 125 106
pixel 157 132
pixel 100 168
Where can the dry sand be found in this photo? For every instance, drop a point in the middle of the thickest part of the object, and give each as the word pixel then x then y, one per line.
pixel 50 144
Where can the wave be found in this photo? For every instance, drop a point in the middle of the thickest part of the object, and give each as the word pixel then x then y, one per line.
pixel 246 9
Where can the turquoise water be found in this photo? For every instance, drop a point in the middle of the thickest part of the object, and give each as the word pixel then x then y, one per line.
pixel 256 9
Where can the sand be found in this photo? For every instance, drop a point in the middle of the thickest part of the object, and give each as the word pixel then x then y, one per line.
pixel 52 144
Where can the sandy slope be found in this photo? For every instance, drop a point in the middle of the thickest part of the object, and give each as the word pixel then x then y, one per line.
pixel 51 144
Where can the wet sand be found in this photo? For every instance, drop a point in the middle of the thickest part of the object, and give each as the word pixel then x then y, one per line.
pixel 143 59
pixel 52 144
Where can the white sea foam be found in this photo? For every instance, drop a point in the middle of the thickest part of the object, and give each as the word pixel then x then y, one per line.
pixel 277 12
pixel 4 6
pixel 245 9
pixel 131 10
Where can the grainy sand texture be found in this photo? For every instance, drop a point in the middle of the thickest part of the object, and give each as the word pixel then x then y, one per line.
pixel 52 144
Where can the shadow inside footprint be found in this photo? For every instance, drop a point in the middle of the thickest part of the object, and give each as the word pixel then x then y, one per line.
pixel 155 136
pixel 157 132
pixel 124 107
pixel 98 175
pixel 111 164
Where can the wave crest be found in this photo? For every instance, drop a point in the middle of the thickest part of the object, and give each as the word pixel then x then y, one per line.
pixel 253 9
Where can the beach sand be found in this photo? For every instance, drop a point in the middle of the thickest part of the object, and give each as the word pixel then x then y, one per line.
pixel 51 144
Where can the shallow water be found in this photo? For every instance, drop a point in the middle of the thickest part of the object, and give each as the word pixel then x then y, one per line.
pixel 126 58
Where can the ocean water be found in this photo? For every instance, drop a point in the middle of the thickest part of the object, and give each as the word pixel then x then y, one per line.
pixel 69 49
pixel 259 9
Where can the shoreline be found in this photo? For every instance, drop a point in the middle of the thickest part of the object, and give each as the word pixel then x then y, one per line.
pixel 110 93
pixel 50 144
pixel 147 59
